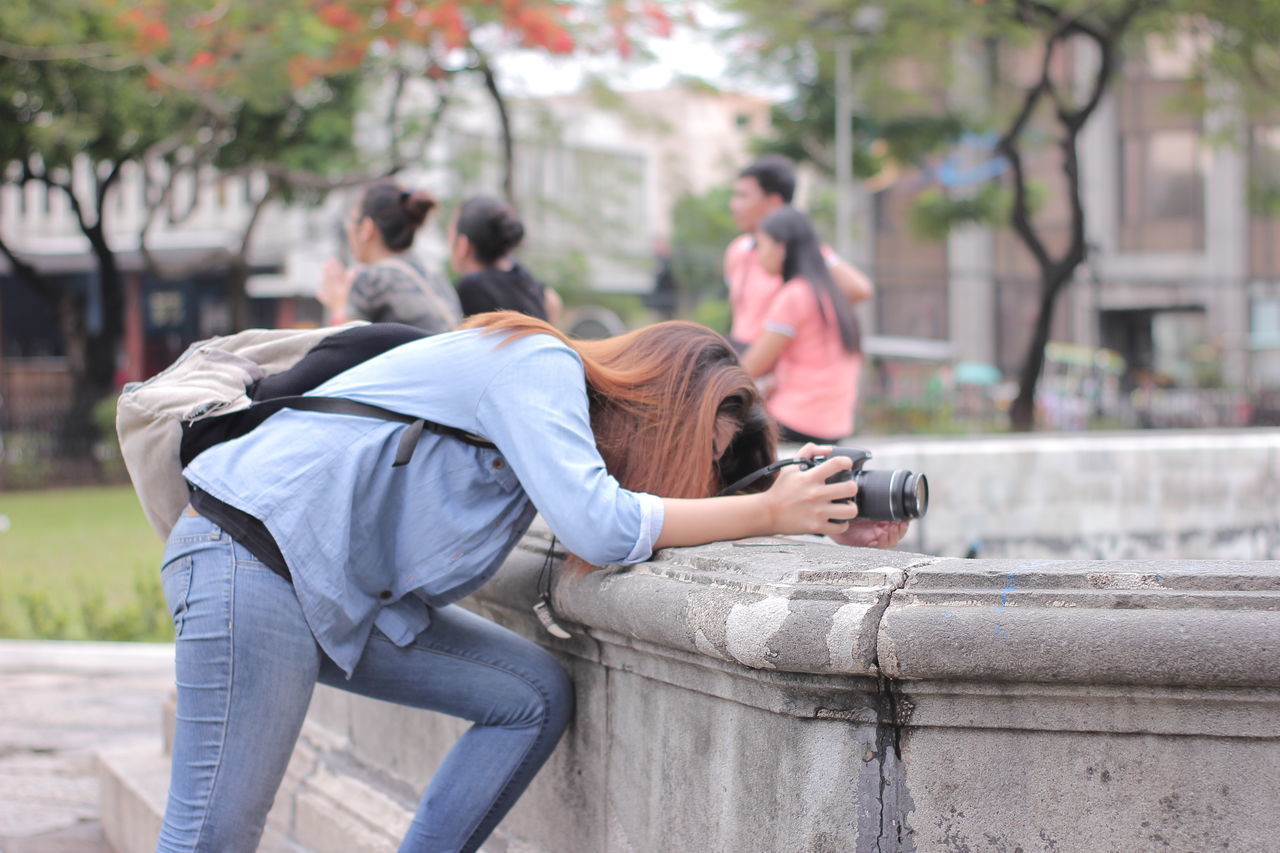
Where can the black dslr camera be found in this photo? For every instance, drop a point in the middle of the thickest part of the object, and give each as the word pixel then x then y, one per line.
pixel 888 495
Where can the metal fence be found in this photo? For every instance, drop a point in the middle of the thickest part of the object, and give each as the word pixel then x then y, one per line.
pixel 39 444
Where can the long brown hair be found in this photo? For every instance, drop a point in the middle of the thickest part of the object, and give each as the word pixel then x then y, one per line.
pixel 655 394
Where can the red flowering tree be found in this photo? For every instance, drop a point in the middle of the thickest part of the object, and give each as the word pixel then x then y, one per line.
pixel 272 88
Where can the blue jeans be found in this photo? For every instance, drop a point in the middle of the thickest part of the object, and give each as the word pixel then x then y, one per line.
pixel 246 667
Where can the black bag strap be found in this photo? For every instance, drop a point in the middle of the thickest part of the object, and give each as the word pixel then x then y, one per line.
pixel 250 418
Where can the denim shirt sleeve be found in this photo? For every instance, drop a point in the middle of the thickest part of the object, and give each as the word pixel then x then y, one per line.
pixel 535 410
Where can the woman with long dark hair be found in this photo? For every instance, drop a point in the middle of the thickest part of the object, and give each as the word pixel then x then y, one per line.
pixel 810 341
pixel 482 235
pixel 390 285
pixel 308 557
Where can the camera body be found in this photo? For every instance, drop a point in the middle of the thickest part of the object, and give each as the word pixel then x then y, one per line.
pixel 883 495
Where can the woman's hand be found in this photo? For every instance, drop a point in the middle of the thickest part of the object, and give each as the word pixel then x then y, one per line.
pixel 858 533
pixel 797 502
pixel 335 287
pixel 802 501
pixel 872 534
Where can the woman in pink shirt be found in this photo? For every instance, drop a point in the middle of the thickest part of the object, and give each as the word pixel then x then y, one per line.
pixel 810 340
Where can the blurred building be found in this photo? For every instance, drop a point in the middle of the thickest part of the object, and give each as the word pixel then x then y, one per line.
pixel 1183 279
pixel 595 177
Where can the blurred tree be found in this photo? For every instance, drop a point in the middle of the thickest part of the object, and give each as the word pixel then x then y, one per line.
pixel 701 227
pixel 71 116
pixel 181 86
pixel 923 51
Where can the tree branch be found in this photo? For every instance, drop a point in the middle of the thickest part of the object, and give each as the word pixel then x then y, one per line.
pixel 1030 101
pixel 60 53
pixel 434 122
pixel 1021 218
pixel 504 119
pixel 273 187
pixel 393 116
pixel 202 93
pixel 43 177
pixel 105 184
pixel 1078 248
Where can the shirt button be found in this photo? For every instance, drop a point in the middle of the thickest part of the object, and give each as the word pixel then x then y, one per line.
pixel 499 464
pixel 385 595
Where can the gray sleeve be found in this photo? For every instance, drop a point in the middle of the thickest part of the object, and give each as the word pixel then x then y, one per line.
pixel 368 299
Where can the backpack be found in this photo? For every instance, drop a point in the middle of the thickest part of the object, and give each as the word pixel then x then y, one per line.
pixel 208 395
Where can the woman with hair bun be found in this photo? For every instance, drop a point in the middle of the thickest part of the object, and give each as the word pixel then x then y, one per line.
pixel 482 236
pixel 390 285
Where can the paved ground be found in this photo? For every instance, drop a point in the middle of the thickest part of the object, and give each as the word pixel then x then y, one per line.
pixel 60 702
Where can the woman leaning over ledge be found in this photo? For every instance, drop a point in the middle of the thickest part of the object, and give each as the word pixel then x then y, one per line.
pixel 619 443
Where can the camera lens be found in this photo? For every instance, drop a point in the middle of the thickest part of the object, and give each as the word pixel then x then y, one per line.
pixel 915 496
pixel 891 495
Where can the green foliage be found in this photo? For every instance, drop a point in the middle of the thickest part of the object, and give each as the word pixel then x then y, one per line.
pixel 26 460
pixel 701 228
pixel 803 128
pixel 93 106
pixel 714 314
pixel 108 447
pixel 568 273
pixel 80 564
pixel 1264 201
pixel 934 212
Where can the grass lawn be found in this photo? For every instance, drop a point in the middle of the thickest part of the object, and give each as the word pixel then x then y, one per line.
pixel 79 564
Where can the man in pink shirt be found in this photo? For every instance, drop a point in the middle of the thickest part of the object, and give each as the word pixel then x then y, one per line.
pixel 760 189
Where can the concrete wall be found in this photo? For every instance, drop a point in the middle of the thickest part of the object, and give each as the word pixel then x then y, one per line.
pixel 1115 496
pixel 777 695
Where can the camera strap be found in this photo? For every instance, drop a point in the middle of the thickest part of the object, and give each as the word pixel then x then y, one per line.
pixel 542 607
pixel 771 468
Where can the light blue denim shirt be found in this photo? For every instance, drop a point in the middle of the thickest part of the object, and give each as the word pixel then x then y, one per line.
pixel 368 544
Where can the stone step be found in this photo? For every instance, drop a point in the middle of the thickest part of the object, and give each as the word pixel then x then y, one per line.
pixel 132 785
pixel 326 804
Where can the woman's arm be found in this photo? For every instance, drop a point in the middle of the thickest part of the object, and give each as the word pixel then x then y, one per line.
pixel 335 286
pixel 554 306
pixel 762 355
pixel 798 502
pixel 852 282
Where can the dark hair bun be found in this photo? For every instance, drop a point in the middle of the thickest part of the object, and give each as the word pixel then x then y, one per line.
pixel 511 228
pixel 491 226
pixel 417 205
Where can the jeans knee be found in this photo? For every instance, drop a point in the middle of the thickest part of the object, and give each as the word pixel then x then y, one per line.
pixel 555 689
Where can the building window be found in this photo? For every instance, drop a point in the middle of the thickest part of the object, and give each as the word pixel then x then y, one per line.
pixel 1264 323
pixel 166 308
pixel 1163 176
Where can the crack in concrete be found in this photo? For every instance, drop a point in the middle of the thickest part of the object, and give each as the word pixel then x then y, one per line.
pixel 891 719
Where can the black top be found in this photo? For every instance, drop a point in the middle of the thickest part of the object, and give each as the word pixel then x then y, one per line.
pixel 325 360
pixel 497 289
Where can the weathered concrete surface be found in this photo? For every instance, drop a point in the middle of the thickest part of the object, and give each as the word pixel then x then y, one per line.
pixel 784 696
pixel 1213 624
pixel 1204 494
pixel 1067 705
pixel 59 703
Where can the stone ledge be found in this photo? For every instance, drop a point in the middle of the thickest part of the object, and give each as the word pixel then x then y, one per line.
pixel 775 603
pixel 796 606
pixel 1124 709
pixel 1170 623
